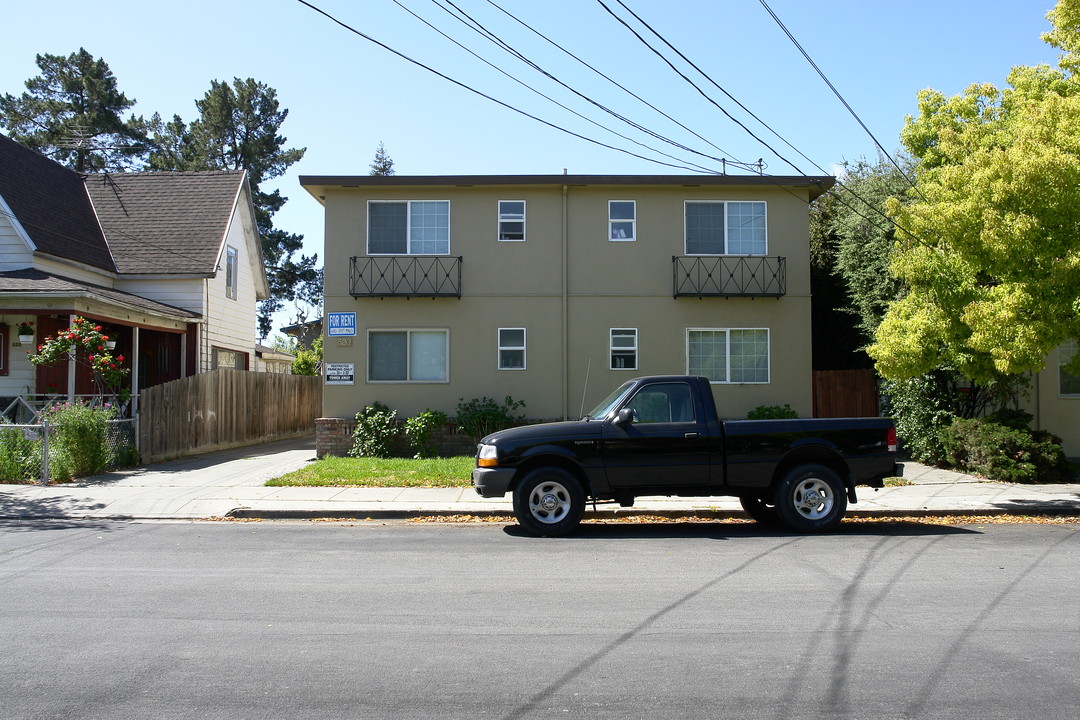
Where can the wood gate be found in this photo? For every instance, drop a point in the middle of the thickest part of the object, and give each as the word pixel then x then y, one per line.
pixel 845 393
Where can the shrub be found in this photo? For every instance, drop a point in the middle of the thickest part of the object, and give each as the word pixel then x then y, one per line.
pixel 79 444
pixel 376 427
pixel 921 412
pixel 772 412
pixel 20 457
pixel 482 416
pixel 418 429
pixel 1000 452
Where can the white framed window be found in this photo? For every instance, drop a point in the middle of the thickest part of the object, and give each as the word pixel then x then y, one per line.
pixel 728 355
pixel 231 267
pixel 412 227
pixel 1070 384
pixel 511 221
pixel 223 358
pixel 400 356
pixel 622 220
pixel 511 348
pixel 725 228
pixel 622 345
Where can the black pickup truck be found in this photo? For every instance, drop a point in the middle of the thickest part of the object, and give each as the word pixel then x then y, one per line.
pixel 661 435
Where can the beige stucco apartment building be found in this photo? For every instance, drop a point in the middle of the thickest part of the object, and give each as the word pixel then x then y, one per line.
pixel 554 289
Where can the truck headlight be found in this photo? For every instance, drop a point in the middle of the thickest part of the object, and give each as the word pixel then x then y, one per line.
pixel 488 456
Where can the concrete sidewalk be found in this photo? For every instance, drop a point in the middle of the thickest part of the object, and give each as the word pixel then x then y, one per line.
pixel 232 483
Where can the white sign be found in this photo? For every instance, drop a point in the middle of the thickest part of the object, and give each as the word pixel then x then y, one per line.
pixel 340 323
pixel 339 373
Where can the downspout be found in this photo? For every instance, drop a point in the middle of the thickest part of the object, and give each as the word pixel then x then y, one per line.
pixel 565 308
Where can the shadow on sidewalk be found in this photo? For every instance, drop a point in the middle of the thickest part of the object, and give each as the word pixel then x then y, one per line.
pixel 28 513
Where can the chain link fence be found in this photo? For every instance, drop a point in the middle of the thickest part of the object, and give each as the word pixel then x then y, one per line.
pixel 49 452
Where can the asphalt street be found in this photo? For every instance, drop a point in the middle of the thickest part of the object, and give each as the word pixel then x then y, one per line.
pixel 106 619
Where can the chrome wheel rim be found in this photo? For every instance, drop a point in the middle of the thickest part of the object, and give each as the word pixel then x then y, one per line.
pixel 549 502
pixel 813 498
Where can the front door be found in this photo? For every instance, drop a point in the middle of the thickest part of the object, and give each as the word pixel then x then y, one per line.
pixel 666 445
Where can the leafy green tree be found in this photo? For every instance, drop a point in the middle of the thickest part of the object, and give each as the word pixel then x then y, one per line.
pixel 238 128
pixel 991 257
pixel 73 111
pixel 309 360
pixel 382 164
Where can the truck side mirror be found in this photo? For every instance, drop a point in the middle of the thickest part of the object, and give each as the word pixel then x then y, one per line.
pixel 623 418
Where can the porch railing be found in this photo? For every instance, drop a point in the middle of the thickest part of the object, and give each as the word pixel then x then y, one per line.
pixel 405 276
pixel 729 276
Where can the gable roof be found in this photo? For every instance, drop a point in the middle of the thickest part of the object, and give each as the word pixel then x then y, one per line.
pixel 170 222
pixel 50 203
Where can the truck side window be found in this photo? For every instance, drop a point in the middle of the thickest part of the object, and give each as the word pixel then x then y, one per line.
pixel 663 403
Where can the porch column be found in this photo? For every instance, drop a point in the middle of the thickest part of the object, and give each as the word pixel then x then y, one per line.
pixel 135 371
pixel 71 368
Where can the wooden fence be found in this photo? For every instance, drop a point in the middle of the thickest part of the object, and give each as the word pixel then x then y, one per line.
pixel 225 408
pixel 845 393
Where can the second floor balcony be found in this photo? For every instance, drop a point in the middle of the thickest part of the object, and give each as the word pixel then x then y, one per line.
pixel 405 276
pixel 729 276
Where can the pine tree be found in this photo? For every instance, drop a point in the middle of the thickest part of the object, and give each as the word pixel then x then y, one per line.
pixel 382 164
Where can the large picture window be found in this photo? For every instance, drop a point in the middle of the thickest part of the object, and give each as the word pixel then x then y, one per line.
pixel 414 227
pixel 725 228
pixel 733 355
pixel 1070 384
pixel 408 356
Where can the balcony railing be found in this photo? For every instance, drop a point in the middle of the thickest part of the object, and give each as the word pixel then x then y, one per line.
pixel 405 276
pixel 729 276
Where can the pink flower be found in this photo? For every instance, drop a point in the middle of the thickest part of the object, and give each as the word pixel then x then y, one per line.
pixel 120 358
pixel 98 328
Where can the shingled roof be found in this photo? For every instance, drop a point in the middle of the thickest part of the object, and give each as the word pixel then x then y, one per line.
pixel 165 221
pixel 51 204
pixel 35 283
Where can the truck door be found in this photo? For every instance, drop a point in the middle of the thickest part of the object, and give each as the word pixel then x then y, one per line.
pixel 666 444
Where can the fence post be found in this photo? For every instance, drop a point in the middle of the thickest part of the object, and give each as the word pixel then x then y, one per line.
pixel 45 452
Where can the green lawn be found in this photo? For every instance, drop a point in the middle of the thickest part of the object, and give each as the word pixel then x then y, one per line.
pixel 382 472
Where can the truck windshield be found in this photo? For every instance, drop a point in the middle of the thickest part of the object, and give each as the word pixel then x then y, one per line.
pixel 601 411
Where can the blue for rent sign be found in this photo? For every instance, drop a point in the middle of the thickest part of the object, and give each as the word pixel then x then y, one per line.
pixel 341 323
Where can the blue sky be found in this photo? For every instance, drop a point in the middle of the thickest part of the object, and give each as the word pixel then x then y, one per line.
pixel 345 94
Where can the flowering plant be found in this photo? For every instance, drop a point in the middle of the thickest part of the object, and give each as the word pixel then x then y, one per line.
pixel 25 328
pixel 85 343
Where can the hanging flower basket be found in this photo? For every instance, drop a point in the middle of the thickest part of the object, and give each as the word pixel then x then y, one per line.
pixel 25 331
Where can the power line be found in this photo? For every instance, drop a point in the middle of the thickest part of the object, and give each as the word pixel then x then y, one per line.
pixel 836 92
pixel 532 89
pixel 473 90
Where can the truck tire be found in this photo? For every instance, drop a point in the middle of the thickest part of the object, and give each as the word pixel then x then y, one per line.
pixel 760 509
pixel 811 498
pixel 549 501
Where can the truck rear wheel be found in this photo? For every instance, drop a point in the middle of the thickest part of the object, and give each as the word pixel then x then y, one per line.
pixel 811 498
pixel 549 501
pixel 760 509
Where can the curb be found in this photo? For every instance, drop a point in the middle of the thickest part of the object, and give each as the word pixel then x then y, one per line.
pixel 719 514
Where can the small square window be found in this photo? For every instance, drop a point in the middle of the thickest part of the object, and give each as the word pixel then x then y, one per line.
pixel 622 220
pixel 623 347
pixel 511 348
pixel 511 220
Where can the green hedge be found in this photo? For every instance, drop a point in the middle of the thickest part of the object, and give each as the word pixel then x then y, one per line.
pixel 1008 452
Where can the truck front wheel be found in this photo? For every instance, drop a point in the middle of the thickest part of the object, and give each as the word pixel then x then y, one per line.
pixel 811 498
pixel 549 501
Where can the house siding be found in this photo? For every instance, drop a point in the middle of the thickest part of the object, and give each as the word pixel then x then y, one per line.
pixel 605 285
pixel 14 253
pixel 233 324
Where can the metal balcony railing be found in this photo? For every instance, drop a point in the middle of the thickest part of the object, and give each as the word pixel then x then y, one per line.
pixel 729 276
pixel 405 276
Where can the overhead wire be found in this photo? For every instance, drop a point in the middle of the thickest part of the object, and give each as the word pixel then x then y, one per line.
pixel 484 95
pixel 702 168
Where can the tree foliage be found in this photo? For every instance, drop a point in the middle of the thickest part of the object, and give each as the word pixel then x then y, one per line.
pixel 382 164
pixel 73 112
pixel 990 250
pixel 238 128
